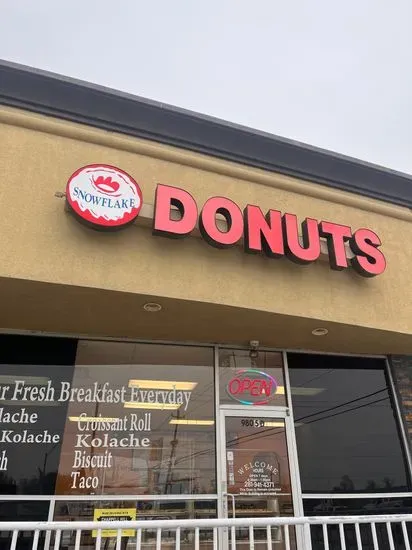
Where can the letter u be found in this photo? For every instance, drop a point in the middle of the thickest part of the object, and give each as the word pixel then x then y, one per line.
pixel 309 250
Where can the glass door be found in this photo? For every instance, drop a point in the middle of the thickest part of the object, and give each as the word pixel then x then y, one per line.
pixel 258 473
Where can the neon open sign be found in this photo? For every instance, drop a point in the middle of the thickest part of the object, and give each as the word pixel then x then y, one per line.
pixel 252 387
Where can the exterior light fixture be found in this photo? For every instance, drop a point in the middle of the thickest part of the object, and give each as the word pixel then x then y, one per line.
pixel 254 353
pixel 152 307
pixel 320 332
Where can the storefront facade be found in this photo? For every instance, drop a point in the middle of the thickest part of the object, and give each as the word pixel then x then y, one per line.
pixel 196 320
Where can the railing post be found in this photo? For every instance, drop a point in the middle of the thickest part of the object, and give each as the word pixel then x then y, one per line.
pixel 158 538
pixel 35 539
pixel 98 539
pixel 358 536
pixel 305 535
pixel 14 540
pixel 405 536
pixel 287 537
pixel 342 536
pixel 78 539
pixel 374 536
pixel 118 539
pixel 390 535
pixel 251 538
pixel 325 536
pixel 269 537
pixel 57 538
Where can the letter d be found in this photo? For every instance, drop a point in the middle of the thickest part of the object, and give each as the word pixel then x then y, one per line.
pixel 169 223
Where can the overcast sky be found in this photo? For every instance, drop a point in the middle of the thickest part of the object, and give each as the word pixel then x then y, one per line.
pixel 336 74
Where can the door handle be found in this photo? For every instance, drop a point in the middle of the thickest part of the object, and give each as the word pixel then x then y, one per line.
pixel 232 497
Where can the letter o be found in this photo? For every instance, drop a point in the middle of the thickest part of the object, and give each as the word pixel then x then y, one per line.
pixel 232 390
pixel 208 223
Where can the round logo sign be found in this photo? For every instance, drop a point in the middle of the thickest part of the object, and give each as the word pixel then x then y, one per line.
pixel 104 196
pixel 252 387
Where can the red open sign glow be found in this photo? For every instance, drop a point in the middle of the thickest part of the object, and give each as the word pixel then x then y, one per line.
pixel 252 387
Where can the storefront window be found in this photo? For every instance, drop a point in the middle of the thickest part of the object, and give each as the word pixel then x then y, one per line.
pixel 21 510
pixel 91 417
pixel 140 421
pixel 359 507
pixel 346 428
pixel 139 510
pixel 251 378
pixel 32 419
pixel 402 374
pixel 142 509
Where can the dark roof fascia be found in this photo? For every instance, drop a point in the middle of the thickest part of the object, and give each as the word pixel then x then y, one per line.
pixel 66 98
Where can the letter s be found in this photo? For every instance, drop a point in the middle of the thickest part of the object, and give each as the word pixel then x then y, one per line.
pixel 368 260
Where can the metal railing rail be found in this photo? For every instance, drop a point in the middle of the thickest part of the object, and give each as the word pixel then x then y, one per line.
pixel 284 526
pixel 201 523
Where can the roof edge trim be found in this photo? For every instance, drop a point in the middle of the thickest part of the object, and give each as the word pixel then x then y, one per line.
pixel 96 106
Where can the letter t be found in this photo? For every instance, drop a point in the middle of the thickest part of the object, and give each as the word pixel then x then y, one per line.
pixel 336 235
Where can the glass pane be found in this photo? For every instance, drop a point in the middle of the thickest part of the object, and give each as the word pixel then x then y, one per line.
pixel 140 510
pixel 402 374
pixel 347 434
pixel 251 378
pixel 257 462
pixel 358 507
pixel 32 370
pixel 257 472
pixel 23 511
pixel 140 421
pixel 257 465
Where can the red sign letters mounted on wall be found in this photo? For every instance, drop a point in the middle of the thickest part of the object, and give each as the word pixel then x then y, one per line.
pixel 274 234
pixel 107 198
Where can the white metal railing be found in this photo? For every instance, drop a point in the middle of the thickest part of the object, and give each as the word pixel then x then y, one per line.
pixel 383 532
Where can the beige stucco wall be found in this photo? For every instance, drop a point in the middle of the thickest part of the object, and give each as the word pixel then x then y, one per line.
pixel 41 242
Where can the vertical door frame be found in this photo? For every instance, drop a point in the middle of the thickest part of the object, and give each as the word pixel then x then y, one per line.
pixel 227 411
pixel 285 413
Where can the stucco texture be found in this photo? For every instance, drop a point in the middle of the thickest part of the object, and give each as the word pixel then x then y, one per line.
pixel 42 243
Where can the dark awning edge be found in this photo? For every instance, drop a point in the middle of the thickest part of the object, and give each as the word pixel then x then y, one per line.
pixel 65 98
